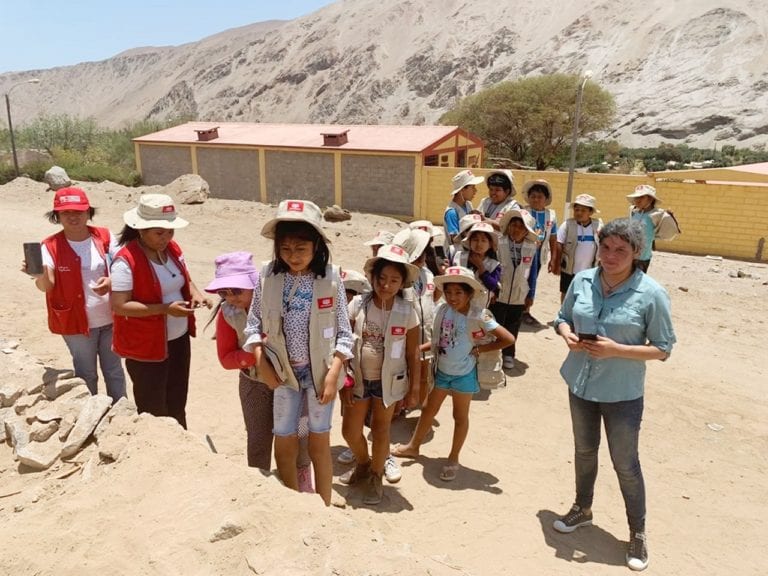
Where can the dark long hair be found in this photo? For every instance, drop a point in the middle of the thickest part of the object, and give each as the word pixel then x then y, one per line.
pixel 380 264
pixel 308 233
pixel 126 235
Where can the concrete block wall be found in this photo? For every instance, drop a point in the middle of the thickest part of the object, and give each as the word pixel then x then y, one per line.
pixel 231 174
pixel 305 175
pixel 380 184
pixel 163 164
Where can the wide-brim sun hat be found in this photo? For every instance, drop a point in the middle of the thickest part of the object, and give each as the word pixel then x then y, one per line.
pixel 413 241
pixel 355 281
pixel 296 211
pixel 482 227
pixel 461 275
pixel 398 255
pixel 234 270
pixel 468 220
pixel 382 237
pixel 644 190
pixel 497 178
pixel 528 221
pixel 154 211
pixel 543 183
pixel 587 201
pixel 464 178
pixel 427 226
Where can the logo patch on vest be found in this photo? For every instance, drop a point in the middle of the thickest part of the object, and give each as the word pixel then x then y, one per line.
pixel 478 334
pixel 526 259
pixel 295 207
pixel 430 286
pixel 323 303
pixel 398 330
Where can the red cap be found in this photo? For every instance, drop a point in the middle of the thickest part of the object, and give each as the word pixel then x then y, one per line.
pixel 70 199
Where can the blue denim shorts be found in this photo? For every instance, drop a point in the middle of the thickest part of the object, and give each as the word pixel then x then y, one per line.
pixel 466 384
pixel 371 389
pixel 288 405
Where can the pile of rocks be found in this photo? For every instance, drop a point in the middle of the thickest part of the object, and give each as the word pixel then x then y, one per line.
pixel 53 418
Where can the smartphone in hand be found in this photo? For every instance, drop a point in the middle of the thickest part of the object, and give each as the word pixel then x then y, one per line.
pixel 33 256
pixel 587 336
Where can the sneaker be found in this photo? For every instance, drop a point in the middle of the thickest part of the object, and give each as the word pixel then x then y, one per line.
pixel 637 552
pixel 305 480
pixel 575 518
pixel 356 474
pixel 346 457
pixel 508 363
pixel 374 492
pixel 392 470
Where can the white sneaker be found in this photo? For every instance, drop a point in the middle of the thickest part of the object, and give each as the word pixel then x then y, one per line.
pixel 392 470
pixel 508 363
pixel 346 457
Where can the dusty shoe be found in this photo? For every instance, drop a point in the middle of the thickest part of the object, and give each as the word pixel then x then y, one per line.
pixel 637 552
pixel 346 457
pixel 356 474
pixel 374 492
pixel 575 518
pixel 508 363
pixel 392 470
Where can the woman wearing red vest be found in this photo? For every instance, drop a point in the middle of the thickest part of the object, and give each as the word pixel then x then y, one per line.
pixel 153 300
pixel 76 286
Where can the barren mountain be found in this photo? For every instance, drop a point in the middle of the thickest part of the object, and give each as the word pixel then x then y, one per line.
pixel 691 71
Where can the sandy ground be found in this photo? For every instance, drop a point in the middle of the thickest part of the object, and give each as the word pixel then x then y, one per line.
pixel 704 447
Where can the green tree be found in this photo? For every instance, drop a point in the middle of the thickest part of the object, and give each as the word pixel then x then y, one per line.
pixel 531 119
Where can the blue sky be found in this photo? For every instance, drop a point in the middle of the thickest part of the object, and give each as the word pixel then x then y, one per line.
pixel 37 34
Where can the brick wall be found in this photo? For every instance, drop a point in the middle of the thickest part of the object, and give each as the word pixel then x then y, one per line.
pixel 163 164
pixel 305 175
pixel 232 174
pixel 380 184
pixel 723 219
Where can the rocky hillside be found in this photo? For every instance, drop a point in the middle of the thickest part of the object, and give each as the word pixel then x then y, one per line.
pixel 691 71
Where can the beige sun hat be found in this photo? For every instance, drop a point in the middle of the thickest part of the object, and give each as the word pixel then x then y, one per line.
pixel 644 190
pixel 397 254
pixel 355 281
pixel 588 201
pixel 482 227
pixel 531 183
pixel 461 275
pixel 464 178
pixel 413 241
pixel 427 226
pixel 154 211
pixel 528 220
pixel 503 178
pixel 296 211
pixel 382 237
pixel 466 222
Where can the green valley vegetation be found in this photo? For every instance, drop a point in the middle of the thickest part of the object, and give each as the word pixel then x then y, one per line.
pixel 86 151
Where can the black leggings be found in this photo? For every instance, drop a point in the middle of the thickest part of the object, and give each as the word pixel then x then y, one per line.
pixel 160 388
pixel 510 316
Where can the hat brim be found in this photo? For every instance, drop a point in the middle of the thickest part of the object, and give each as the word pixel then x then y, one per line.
pixel 268 230
pixel 357 286
pixel 638 195
pixel 474 283
pixel 507 218
pixel 133 220
pixel 531 183
pixel 473 182
pixel 411 270
pixel 243 281
pixel 73 207
pixel 594 210
pixel 494 238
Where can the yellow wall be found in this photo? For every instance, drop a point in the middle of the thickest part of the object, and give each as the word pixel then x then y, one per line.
pixel 719 219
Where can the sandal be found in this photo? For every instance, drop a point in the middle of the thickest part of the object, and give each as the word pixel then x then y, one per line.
pixel 449 472
pixel 401 451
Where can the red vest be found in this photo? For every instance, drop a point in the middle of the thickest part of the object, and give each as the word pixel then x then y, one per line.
pixel 145 338
pixel 66 300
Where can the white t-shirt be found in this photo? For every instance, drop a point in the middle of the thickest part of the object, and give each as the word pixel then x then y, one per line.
pixel 171 281
pixel 374 330
pixel 586 242
pixel 92 267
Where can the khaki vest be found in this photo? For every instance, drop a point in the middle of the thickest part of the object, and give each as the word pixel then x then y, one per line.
pixel 548 221
pixel 237 318
pixel 571 241
pixel 322 326
pixel 490 373
pixel 514 280
pixel 394 371
pixel 424 305
pixel 495 212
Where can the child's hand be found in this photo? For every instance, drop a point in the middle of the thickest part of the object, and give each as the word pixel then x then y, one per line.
pixel 267 373
pixel 329 389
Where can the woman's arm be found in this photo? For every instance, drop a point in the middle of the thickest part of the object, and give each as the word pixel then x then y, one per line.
pixel 122 305
pixel 604 347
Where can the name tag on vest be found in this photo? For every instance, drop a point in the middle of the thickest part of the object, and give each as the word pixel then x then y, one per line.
pixel 323 303
pixel 526 259
pixel 398 330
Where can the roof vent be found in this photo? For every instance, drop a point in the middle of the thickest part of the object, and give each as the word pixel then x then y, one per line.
pixel 334 138
pixel 208 134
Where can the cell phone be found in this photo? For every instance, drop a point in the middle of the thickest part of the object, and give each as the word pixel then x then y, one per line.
pixel 587 336
pixel 33 256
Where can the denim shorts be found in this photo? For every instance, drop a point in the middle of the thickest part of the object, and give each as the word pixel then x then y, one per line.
pixel 288 405
pixel 466 384
pixel 371 389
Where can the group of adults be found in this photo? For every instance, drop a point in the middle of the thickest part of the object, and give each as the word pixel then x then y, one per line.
pixel 132 297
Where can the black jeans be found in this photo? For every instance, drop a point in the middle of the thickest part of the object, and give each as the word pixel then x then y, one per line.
pixel 510 316
pixel 622 429
pixel 160 388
